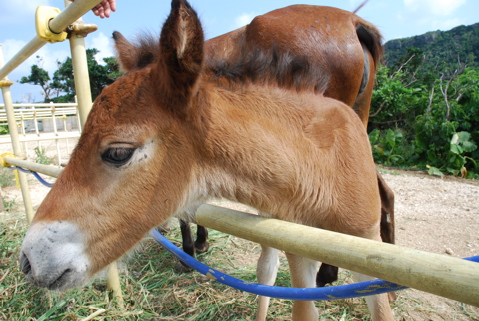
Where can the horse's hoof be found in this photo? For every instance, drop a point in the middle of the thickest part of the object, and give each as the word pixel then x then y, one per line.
pixel 163 229
pixel 201 248
pixel 182 268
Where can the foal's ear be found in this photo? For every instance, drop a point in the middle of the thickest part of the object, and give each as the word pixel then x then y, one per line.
pixel 126 52
pixel 181 55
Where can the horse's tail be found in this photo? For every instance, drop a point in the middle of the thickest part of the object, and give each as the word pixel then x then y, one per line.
pixel 370 38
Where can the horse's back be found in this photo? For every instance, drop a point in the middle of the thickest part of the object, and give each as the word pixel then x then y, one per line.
pixel 326 36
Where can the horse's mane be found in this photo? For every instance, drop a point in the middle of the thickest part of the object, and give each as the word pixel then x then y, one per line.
pixel 272 66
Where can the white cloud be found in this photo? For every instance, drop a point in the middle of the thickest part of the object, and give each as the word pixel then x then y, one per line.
pixel 436 7
pixel 103 44
pixel 244 19
pixel 48 57
pixel 430 15
pixel 10 48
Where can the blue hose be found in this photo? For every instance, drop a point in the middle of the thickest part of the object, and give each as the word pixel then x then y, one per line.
pixel 37 176
pixel 309 294
pixel 361 289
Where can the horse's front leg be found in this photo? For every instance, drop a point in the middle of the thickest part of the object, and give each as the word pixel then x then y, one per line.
pixel 378 304
pixel 303 275
pixel 266 271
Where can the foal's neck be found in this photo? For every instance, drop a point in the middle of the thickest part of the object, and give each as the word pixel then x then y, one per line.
pixel 254 147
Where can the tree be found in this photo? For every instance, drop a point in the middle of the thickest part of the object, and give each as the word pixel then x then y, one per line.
pixel 63 81
pixel 100 75
pixel 39 76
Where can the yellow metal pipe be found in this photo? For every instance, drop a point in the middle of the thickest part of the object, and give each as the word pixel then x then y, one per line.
pixel 113 281
pixel 82 88
pixel 80 70
pixel 72 13
pixel 34 167
pixel 57 25
pixel 82 79
pixel 12 127
pixel 438 274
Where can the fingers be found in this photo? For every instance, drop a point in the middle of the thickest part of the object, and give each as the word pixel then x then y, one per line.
pixel 104 9
pixel 113 5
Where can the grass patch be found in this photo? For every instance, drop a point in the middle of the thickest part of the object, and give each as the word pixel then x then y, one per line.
pixel 153 290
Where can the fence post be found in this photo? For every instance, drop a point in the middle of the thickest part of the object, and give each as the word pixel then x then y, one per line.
pixel 82 87
pixel 80 70
pixel 55 131
pixel 12 127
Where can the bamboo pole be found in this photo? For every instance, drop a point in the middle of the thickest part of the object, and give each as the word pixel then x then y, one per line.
pixel 438 274
pixel 12 127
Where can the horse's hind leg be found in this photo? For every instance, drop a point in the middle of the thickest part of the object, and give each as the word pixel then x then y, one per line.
pixel 387 217
pixel 266 272
pixel 188 245
pixel 327 274
pixel 387 211
pixel 201 243
pixel 303 274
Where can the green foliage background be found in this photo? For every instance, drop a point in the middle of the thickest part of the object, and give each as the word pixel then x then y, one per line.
pixel 425 107
pixel 61 87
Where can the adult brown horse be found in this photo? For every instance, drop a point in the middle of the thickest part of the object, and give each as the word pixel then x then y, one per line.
pixel 164 136
pixel 346 47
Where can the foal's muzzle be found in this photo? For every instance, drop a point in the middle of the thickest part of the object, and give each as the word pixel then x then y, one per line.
pixel 53 256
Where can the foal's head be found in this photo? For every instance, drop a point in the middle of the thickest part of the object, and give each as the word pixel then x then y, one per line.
pixel 133 165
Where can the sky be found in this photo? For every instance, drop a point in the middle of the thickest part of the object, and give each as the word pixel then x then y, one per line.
pixel 394 18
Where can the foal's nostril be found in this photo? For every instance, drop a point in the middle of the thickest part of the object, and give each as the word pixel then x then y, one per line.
pixel 25 264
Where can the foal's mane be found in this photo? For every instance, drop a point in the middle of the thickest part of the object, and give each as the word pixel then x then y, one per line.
pixel 146 49
pixel 272 66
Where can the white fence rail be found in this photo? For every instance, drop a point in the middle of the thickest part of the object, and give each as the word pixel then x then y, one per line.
pixel 43 122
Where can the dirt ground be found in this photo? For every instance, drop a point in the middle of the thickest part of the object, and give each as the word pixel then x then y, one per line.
pixel 439 215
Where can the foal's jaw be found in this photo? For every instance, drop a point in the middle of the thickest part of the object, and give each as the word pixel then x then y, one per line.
pixel 53 255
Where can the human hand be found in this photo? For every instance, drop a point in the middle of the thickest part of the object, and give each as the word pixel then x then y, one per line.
pixel 104 8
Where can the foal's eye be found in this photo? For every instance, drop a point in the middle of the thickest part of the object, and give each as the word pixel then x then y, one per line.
pixel 117 155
